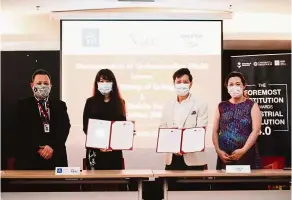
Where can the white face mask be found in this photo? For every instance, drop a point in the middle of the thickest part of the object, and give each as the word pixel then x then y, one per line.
pixel 235 91
pixel 182 89
pixel 105 87
pixel 41 91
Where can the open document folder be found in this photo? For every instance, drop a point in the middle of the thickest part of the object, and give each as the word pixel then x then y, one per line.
pixel 173 140
pixel 114 135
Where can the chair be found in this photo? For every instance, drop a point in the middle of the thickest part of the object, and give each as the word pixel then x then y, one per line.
pixel 273 162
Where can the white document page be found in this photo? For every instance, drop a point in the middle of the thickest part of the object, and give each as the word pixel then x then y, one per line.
pixel 98 133
pixel 193 140
pixel 122 135
pixel 169 140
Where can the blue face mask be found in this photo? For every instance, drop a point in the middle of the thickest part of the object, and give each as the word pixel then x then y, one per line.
pixel 105 87
pixel 182 89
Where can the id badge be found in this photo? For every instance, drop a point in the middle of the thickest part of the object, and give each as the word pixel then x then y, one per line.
pixel 47 128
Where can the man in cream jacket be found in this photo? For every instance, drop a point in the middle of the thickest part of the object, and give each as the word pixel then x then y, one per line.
pixel 184 112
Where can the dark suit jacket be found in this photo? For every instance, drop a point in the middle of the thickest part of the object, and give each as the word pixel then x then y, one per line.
pixel 30 135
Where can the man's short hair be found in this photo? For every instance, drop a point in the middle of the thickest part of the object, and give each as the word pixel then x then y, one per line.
pixel 40 72
pixel 183 71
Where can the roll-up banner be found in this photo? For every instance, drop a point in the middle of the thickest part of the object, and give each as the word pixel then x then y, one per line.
pixel 269 84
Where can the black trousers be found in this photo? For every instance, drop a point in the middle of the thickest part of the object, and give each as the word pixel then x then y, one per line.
pixel 178 163
pixel 155 191
pixel 97 160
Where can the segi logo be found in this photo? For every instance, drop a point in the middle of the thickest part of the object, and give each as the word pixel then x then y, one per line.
pixel 239 64
pixel 90 37
pixel 243 64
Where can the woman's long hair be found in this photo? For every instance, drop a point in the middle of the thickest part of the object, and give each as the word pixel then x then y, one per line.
pixel 115 96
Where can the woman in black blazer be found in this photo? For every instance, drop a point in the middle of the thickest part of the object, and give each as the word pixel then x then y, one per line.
pixel 105 104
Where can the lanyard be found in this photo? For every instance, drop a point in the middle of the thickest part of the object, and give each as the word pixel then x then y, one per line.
pixel 44 112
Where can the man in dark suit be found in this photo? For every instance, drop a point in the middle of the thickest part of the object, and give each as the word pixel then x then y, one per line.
pixel 42 128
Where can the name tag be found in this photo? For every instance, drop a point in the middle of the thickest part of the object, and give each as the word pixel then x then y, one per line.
pixel 238 169
pixel 47 128
pixel 151 178
pixel 67 171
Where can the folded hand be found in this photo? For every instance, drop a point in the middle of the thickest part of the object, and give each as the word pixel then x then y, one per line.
pixel 223 156
pixel 46 152
pixel 105 150
pixel 237 154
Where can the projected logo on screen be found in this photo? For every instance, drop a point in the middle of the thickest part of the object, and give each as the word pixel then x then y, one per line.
pixel 191 39
pixel 143 40
pixel 90 37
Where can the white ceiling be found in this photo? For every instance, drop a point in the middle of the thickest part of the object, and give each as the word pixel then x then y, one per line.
pixel 246 6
